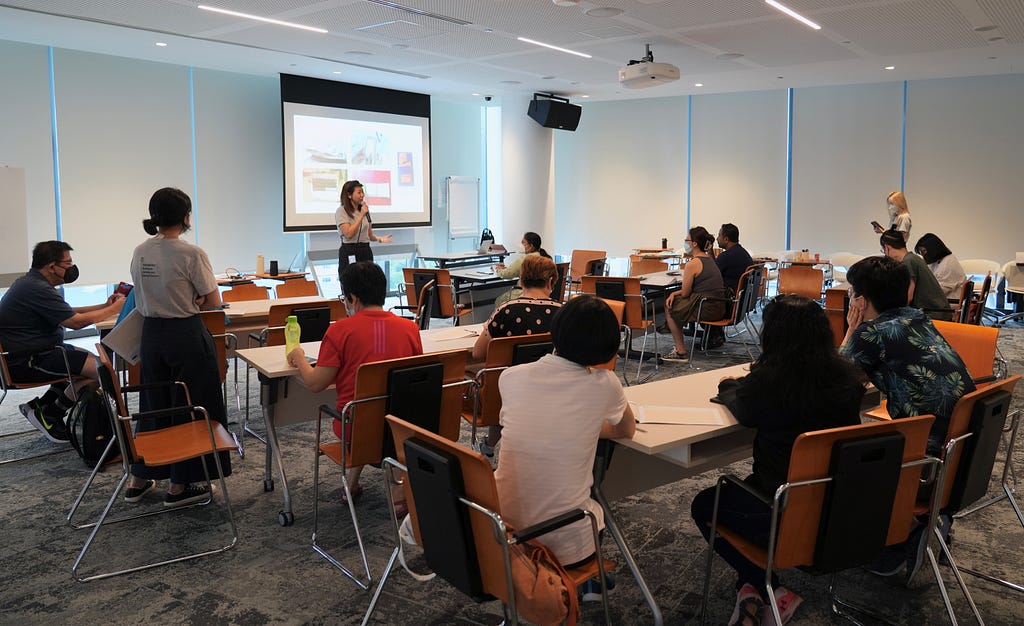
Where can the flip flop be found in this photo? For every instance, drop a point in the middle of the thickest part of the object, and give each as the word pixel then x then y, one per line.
pixel 356 492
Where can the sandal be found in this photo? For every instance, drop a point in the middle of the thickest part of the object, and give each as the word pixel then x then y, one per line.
pixel 401 510
pixel 356 492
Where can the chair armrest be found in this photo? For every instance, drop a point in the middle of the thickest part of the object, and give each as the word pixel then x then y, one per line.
pixel 548 525
pixel 175 410
pixel 329 410
pixel 148 386
pixel 733 480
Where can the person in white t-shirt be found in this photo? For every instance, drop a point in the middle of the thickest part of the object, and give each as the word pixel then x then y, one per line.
pixel 553 412
pixel 899 215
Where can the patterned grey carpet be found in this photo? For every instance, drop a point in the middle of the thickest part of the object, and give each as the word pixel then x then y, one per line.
pixel 273 576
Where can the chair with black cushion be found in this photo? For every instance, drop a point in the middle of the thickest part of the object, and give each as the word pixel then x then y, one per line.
pixel 637 316
pixel 976 312
pixel 850 492
pixel 444 304
pixel 7 383
pixel 197 438
pixel 738 309
pixel 558 291
pixel 456 517
pixel 581 264
pixel 426 389
pixel 973 438
pixel 484 402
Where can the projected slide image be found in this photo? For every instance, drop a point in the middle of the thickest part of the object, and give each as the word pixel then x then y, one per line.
pixel 325 147
pixel 322 185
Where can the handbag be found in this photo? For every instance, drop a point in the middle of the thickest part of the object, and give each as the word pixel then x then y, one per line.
pixel 545 594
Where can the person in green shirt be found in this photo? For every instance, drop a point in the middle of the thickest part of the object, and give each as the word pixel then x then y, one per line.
pixel 925 292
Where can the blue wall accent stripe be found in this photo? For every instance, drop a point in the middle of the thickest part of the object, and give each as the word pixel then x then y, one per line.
pixel 903 141
pixel 789 168
pixel 689 155
pixel 53 141
pixel 195 164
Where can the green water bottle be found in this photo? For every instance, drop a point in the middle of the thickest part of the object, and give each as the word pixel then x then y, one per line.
pixel 292 332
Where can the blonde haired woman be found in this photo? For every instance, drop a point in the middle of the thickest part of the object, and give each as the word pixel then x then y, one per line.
pixel 899 215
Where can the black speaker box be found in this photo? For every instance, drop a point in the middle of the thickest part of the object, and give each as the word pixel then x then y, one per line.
pixel 555 114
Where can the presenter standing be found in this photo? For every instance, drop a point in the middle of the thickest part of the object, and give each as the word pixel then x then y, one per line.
pixel 354 226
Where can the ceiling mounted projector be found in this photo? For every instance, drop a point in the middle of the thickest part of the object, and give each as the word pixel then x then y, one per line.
pixel 646 73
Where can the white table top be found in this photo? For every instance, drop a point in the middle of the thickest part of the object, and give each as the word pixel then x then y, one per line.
pixel 661 279
pixel 261 308
pixel 271 361
pixel 693 391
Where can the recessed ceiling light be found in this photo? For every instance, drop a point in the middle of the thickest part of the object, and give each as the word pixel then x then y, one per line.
pixel 357 53
pixel 549 77
pixel 475 94
pixel 565 3
pixel 488 30
pixel 399 46
pixel 890 67
pixel 161 44
pixel 336 72
pixel 846 42
pixel 575 82
pixel 793 14
pixel 262 19
pixel 510 82
pixel 604 12
pixel 995 38
pixel 698 84
pixel 728 56
pixel 992 58
pixel 780 77
pixel 547 45
pixel 985 29
pixel 584 96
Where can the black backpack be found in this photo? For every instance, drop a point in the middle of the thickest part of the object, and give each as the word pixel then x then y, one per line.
pixel 89 428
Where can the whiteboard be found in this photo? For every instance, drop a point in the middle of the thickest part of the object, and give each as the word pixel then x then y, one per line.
pixel 463 194
pixel 14 255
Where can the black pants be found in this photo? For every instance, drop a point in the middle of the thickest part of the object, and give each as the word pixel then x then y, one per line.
pixel 180 349
pixel 744 514
pixel 361 252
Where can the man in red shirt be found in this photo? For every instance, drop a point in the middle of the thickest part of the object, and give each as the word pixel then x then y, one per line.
pixel 368 334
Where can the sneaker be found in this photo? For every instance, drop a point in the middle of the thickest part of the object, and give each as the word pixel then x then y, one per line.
pixel 890 563
pixel 51 426
pixel 592 591
pixel 749 607
pixel 787 601
pixel 189 495
pixel 916 547
pixel 675 357
pixel 486 449
pixel 134 494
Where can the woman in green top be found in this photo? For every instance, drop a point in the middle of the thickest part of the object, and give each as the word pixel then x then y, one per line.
pixel 529 246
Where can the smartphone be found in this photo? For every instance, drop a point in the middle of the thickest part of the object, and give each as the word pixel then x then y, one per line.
pixel 123 288
pixel 876 224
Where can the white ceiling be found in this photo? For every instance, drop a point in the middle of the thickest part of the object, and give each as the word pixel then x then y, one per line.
pixel 379 45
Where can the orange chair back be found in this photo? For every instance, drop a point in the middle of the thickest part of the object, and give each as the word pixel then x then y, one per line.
pixel 976 345
pixel 633 310
pixel 296 287
pixel 638 265
pixel 580 261
pixel 499 354
pixel 372 382
pixel 245 291
pixel 811 459
pixel 216 323
pixel 443 287
pixel 278 313
pixel 802 280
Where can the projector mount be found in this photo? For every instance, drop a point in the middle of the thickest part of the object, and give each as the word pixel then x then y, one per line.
pixel 648 57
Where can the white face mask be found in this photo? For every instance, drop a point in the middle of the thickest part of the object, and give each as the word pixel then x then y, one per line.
pixel 687 248
pixel 522 249
pixel 892 209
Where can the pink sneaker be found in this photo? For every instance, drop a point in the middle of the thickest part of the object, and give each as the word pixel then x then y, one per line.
pixel 749 607
pixel 787 601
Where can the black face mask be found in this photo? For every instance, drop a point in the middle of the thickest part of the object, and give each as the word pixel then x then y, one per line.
pixel 70 274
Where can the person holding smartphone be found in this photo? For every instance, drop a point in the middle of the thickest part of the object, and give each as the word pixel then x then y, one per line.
pixel 354 226
pixel 899 215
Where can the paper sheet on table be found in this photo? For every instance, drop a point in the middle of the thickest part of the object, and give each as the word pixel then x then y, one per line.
pixel 125 339
pixel 687 416
pixel 453 333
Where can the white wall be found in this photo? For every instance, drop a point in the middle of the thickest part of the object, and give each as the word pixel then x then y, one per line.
pixel 526 167
pixel 738 171
pixel 456 149
pixel 965 164
pixel 846 160
pixel 25 140
pixel 620 179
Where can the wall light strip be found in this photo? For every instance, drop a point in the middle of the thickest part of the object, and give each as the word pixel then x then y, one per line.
pixel 793 14
pixel 547 45
pixel 268 20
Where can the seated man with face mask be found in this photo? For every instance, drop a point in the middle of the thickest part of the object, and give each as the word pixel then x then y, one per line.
pixel 33 316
